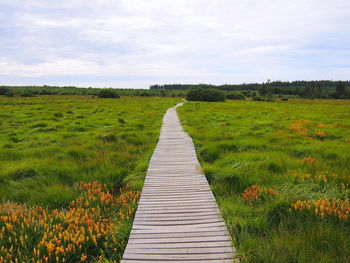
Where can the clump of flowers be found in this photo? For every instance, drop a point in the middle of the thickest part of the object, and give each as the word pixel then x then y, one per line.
pixel 322 125
pixel 255 193
pixel 308 160
pixel 320 135
pixel 324 178
pixel 325 208
pixel 305 128
pixel 298 127
pixel 85 230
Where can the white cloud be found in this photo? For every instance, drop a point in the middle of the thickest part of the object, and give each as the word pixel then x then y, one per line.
pixel 174 41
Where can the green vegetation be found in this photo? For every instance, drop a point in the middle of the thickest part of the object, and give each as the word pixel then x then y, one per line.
pixel 280 173
pixel 30 91
pixel 108 93
pixel 67 164
pixel 325 89
pixel 235 95
pixel 206 95
pixel 48 143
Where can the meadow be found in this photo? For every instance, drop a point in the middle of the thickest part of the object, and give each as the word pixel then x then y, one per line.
pixel 71 168
pixel 280 173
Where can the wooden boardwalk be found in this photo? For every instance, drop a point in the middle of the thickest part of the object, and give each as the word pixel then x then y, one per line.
pixel 177 219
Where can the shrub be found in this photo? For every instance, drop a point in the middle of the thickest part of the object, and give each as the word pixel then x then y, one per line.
pixel 27 94
pixel 9 94
pixel 58 115
pixel 206 95
pixel 234 95
pixel 108 93
pixel 145 94
pixel 109 138
pixel 22 173
pixel 257 98
pixel 121 120
pixel 3 90
pixel 253 94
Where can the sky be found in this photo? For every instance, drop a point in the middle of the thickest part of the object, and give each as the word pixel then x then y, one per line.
pixel 136 43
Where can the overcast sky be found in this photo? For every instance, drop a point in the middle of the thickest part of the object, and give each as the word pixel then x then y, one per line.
pixel 135 43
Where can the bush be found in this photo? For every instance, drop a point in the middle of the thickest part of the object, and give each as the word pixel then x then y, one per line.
pixel 27 94
pixel 108 93
pixel 9 94
pixel 206 95
pixel 58 115
pixel 257 98
pixel 3 90
pixel 234 95
pixel 145 94
pixel 22 174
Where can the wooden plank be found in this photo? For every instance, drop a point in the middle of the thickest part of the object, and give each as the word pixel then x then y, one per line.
pixel 182 230
pixel 185 250
pixel 180 234
pixel 221 238
pixel 179 245
pixel 177 219
pixel 186 257
pixel 177 261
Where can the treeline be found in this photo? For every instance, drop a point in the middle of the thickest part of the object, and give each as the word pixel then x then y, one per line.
pixel 325 89
pixel 304 89
pixel 30 91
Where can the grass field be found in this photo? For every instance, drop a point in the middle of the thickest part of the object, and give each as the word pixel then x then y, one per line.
pixel 48 144
pixel 280 172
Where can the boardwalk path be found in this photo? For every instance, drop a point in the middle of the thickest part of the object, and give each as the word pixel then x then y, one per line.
pixel 177 219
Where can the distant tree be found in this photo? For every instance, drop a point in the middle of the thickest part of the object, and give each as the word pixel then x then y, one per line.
pixel 310 90
pixel 145 94
pixel 108 93
pixel 3 90
pixel 263 89
pixel 253 94
pixel 206 95
pixel 341 90
pixel 266 88
pixel 235 95
pixel 27 94
pixel 257 98
pixel 10 93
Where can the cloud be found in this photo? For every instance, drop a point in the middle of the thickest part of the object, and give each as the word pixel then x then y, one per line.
pixel 134 43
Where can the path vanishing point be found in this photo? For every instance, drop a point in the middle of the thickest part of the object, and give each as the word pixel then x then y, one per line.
pixel 177 219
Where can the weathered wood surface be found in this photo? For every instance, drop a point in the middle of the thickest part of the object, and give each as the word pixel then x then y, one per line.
pixel 177 219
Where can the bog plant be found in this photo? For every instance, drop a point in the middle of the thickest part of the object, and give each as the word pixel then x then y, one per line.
pixel 326 209
pixel 250 151
pixel 92 226
pixel 256 193
pixel 48 143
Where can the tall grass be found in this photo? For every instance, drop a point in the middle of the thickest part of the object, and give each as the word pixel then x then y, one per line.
pixel 280 173
pixel 48 143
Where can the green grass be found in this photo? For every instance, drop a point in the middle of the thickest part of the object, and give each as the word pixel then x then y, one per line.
pixel 48 143
pixel 245 143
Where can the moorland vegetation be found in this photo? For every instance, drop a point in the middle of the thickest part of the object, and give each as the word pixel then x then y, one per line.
pixel 280 173
pixel 65 163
